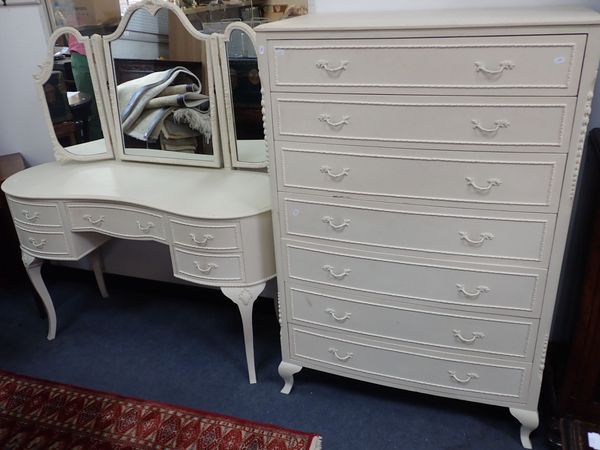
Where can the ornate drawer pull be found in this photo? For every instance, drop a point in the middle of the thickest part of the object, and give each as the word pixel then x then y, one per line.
pixel 327 119
pixel 209 267
pixel 324 64
pixel 329 220
pixel 338 276
pixel 490 184
pixel 145 228
pixel 504 65
pixel 476 335
pixel 497 125
pixel 464 236
pixel 334 352
pixel 37 244
pixel 93 221
pixel 343 318
pixel 470 376
pixel 207 237
pixel 336 176
pixel 478 291
pixel 31 217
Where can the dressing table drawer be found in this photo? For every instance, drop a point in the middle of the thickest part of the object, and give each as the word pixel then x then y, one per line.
pixel 117 221
pixel 459 122
pixel 34 213
pixel 219 268
pixel 49 243
pixel 224 236
pixel 530 65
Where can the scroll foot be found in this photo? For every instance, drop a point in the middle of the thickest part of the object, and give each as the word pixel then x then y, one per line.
pixel 286 371
pixel 529 422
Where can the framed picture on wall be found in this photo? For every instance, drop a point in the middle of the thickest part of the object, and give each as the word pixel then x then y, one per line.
pixel 19 2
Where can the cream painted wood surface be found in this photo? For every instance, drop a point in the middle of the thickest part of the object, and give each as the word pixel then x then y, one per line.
pixel 424 169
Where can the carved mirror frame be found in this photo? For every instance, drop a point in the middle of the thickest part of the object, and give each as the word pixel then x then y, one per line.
pixel 226 102
pixel 152 7
pixel 92 49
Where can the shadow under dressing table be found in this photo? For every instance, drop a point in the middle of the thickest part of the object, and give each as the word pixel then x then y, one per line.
pixel 215 219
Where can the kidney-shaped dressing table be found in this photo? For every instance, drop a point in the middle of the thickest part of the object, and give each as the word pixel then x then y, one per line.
pixel 183 189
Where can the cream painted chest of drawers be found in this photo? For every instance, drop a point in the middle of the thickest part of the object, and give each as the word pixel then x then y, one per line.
pixel 424 166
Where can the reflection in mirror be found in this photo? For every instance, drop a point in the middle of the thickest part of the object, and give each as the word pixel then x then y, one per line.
pixel 69 94
pixel 244 83
pixel 163 89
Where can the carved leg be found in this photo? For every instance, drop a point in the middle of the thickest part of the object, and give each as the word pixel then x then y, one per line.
pixel 97 267
pixel 244 298
pixel 286 371
pixel 34 271
pixel 529 422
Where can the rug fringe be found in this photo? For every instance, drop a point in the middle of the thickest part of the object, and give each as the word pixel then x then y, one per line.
pixel 316 443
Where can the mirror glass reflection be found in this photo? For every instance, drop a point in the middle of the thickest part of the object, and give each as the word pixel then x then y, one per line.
pixel 163 91
pixel 70 97
pixel 246 98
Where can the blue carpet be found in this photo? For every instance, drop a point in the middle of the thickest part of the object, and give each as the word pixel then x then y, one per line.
pixel 183 345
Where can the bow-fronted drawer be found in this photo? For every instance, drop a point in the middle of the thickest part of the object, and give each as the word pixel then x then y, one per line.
pixel 218 270
pixel 34 213
pixel 43 243
pixel 205 235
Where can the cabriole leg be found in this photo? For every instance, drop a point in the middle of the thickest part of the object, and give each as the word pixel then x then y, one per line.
pixel 529 422
pixel 98 273
pixel 244 298
pixel 286 371
pixel 33 266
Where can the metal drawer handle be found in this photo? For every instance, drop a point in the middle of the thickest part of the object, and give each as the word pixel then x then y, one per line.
pixel 207 237
pixel 476 335
pixel 31 217
pixel 335 353
pixel 145 228
pixel 478 291
pixel 37 244
pixel 490 184
pixel 470 376
pixel 209 267
pixel 338 276
pixel 504 65
pixel 329 220
pixel 464 236
pixel 336 176
pixel 497 125
pixel 324 64
pixel 343 318
pixel 93 221
pixel 327 119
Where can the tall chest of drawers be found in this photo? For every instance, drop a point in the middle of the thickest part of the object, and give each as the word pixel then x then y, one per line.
pixel 424 166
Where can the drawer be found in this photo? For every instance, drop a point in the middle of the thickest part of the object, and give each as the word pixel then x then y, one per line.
pixel 205 235
pixel 512 65
pixel 349 354
pixel 509 289
pixel 477 179
pixel 522 237
pixel 49 243
pixel 116 220
pixel 218 268
pixel 499 336
pixel 459 123
pixel 35 213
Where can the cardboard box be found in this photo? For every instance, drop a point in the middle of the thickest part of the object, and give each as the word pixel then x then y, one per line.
pixel 94 12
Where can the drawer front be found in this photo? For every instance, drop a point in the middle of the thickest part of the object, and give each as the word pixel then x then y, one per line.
pixel 34 213
pixel 205 235
pixel 117 221
pixel 498 335
pixel 510 236
pixel 514 181
pixel 483 123
pixel 193 265
pixel 505 288
pixel 351 354
pixel 43 242
pixel 530 65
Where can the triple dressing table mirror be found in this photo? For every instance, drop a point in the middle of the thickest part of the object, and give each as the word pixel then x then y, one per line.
pixel 158 172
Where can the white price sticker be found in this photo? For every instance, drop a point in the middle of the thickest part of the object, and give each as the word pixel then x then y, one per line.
pixel 559 60
pixel 261 50
pixel 295 212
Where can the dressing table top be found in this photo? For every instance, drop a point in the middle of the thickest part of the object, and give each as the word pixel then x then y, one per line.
pixel 186 191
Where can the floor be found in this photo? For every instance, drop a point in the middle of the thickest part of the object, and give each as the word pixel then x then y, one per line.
pixel 183 345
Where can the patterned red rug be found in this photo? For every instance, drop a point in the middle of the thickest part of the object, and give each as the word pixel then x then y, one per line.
pixel 38 414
